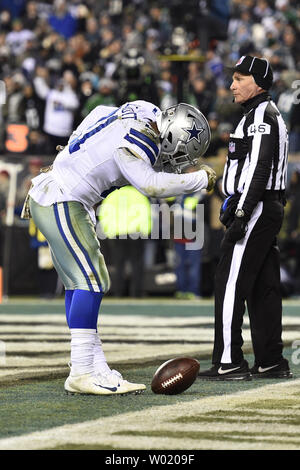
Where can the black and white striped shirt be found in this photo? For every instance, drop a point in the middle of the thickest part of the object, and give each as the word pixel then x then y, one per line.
pixel 257 153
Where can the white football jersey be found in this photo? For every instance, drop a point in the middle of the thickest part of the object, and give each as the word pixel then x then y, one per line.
pixel 112 147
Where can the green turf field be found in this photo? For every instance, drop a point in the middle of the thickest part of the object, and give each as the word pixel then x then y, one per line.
pixel 138 336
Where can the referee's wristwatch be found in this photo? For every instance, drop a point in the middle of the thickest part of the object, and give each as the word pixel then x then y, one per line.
pixel 239 213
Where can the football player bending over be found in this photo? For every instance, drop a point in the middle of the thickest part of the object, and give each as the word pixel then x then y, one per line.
pixel 134 144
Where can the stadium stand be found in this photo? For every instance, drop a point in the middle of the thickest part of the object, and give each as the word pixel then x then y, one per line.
pixel 74 55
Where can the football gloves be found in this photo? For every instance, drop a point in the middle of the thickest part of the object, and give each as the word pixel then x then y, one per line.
pixel 211 176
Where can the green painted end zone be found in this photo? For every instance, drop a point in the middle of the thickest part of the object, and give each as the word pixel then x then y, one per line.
pixel 43 404
pixel 138 336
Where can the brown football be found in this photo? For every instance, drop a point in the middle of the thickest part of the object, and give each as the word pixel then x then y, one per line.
pixel 175 376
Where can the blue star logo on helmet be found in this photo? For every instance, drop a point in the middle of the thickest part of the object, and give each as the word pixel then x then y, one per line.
pixel 194 133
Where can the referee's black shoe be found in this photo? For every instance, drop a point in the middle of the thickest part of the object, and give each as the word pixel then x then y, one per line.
pixel 228 372
pixel 280 370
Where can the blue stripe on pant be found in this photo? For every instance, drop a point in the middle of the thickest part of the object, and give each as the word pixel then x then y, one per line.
pixel 80 245
pixel 69 246
pixel 74 244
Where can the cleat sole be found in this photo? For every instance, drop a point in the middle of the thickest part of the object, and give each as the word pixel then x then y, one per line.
pixel 283 375
pixel 132 392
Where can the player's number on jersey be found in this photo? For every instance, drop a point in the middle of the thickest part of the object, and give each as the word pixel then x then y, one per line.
pixel 101 124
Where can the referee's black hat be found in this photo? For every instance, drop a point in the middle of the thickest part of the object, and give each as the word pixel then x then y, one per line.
pixel 259 68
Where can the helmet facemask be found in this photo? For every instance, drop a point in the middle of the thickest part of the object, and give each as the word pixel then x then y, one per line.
pixel 185 136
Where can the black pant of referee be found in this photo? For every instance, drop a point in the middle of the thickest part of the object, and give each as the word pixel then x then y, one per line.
pixel 249 271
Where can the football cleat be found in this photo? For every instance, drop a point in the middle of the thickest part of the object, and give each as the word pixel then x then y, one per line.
pixel 111 383
pixel 89 384
pixel 123 386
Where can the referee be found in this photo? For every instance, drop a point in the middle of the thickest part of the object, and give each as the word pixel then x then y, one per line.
pixel 248 271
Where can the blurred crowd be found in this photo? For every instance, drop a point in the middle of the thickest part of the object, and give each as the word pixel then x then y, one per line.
pixel 60 59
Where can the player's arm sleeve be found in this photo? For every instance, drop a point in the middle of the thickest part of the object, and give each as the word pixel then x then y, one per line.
pixel 157 184
pixel 141 140
pixel 263 143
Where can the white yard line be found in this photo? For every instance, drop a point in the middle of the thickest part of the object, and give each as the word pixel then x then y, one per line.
pixel 115 431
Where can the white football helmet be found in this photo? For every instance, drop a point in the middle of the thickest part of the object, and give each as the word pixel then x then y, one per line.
pixel 185 136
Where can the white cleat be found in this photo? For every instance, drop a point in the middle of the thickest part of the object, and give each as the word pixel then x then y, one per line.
pixel 123 386
pixel 89 384
pixel 101 384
